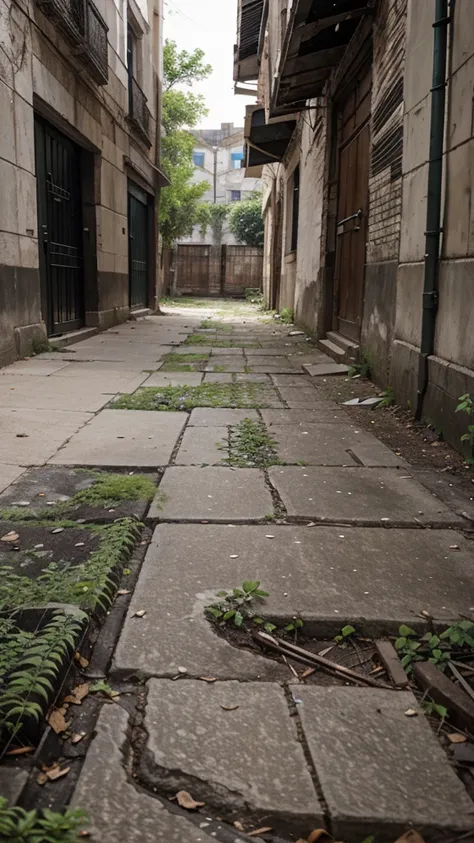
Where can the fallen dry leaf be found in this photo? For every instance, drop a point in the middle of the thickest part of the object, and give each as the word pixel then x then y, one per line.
pixel 82 662
pixel 57 773
pixel 10 537
pixel 230 707
pixel 208 679
pixel 77 737
pixel 410 837
pixel 259 831
pixel 57 721
pixel 21 750
pixel 79 693
pixel 238 825
pixel 308 672
pixel 123 591
pixel 317 834
pixel 42 779
pixel 457 738
pixel 185 800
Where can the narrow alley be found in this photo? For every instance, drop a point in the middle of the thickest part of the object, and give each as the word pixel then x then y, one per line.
pixel 173 460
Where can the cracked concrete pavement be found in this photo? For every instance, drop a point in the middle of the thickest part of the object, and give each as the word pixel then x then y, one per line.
pixel 341 531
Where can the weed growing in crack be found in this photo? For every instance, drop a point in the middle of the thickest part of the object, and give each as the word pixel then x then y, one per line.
pixel 466 405
pixel 250 446
pixel 20 826
pixel 344 635
pixel 235 606
pixel 205 339
pixel 175 398
pixel 437 649
pixel 212 324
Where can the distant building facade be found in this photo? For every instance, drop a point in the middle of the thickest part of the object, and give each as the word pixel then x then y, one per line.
pixel 218 158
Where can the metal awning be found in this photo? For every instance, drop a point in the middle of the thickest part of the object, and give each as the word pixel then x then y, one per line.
pixel 252 16
pixel 266 143
pixel 316 38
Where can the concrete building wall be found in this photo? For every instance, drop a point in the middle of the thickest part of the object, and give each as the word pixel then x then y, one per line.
pixel 451 368
pixel 40 74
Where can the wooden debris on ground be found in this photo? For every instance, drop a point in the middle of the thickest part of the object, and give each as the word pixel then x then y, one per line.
pixel 392 663
pixel 309 658
pixel 444 692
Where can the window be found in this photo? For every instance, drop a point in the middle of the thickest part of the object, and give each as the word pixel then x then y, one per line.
pixel 198 158
pixel 237 158
pixel 295 209
pixel 235 195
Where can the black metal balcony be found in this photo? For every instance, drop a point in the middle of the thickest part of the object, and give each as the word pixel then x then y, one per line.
pixel 83 25
pixel 138 111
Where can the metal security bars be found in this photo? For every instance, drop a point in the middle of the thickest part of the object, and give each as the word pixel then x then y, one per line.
pixel 139 112
pixel 83 25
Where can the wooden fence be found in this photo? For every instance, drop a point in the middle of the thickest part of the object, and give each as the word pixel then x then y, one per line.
pixel 215 271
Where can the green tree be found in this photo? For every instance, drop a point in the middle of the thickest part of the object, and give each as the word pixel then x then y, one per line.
pixel 181 111
pixel 246 221
pixel 212 216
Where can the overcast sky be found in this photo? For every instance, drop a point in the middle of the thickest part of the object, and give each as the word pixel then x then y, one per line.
pixel 210 25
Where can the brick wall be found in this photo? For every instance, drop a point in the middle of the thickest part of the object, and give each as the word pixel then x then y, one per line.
pixel 385 184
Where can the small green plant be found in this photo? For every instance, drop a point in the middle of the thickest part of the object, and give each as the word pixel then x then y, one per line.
pixel 407 645
pixel 294 626
pixel 431 708
pixel 205 339
pixel 210 324
pixel 234 606
pixel 40 345
pixel 345 634
pixel 361 368
pixel 287 316
pixel 102 687
pixel 36 662
pixel 388 398
pixel 250 446
pixel 20 826
pixel 434 648
pixel 466 405
pixel 195 357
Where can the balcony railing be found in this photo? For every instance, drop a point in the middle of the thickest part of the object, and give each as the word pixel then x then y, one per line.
pixel 83 25
pixel 138 111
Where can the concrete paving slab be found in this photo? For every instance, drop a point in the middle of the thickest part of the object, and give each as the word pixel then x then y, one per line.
pixel 325 411
pixel 226 352
pixel 252 378
pixel 219 417
pixel 300 380
pixel 380 770
pixel 328 444
pixel 116 808
pixel 31 437
pixel 174 379
pixel 8 474
pixel 124 438
pixel 12 782
pixel 369 496
pixel 218 377
pixel 47 394
pixel 272 370
pixel 82 368
pixel 300 398
pixel 375 579
pixel 226 364
pixel 215 494
pixel 192 737
pixel 41 368
pixel 325 370
pixel 109 383
pixel 200 446
pixel 270 351
pixel 194 349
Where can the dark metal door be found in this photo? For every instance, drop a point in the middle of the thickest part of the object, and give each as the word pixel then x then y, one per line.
pixel 138 246
pixel 60 229
pixel 353 201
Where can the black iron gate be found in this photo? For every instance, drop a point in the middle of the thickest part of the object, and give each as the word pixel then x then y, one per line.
pixel 60 229
pixel 138 245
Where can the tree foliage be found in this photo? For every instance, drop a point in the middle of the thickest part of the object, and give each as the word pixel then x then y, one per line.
pixel 246 221
pixel 212 216
pixel 181 111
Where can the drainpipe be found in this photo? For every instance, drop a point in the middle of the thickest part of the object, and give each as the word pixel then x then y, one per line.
pixel 433 212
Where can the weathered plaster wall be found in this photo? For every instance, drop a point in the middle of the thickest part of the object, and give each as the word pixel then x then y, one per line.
pixel 38 72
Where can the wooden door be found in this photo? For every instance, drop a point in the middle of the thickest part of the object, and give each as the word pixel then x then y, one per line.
pixel 353 206
pixel 243 269
pixel 193 270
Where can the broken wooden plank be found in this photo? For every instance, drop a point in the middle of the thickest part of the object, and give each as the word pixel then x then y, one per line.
pixel 460 678
pixel 295 652
pixel 444 692
pixel 392 663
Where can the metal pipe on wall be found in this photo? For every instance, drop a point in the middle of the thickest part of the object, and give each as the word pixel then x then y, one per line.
pixel 433 211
